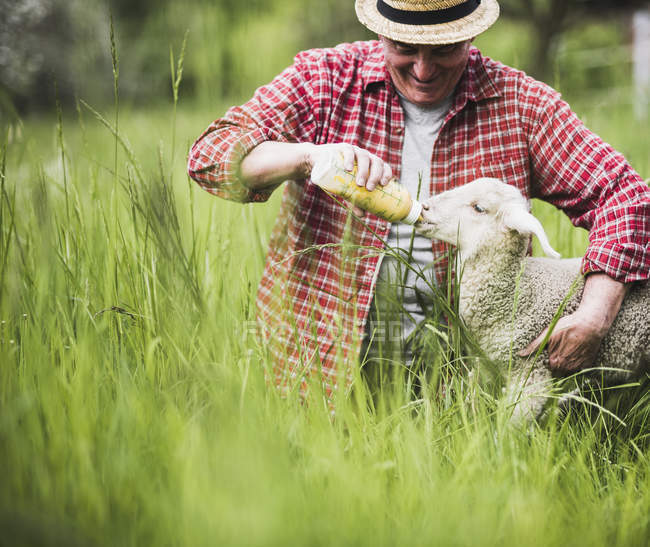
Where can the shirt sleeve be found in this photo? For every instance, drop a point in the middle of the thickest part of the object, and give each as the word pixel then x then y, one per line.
pixel 595 186
pixel 280 111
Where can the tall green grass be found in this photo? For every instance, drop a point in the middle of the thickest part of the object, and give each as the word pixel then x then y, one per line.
pixel 133 405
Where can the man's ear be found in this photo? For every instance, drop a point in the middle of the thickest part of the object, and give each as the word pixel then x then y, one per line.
pixel 523 222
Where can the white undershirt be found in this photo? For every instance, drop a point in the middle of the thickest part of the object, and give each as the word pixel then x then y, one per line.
pixel 422 126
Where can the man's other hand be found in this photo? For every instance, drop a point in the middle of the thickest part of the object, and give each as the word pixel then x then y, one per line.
pixel 576 338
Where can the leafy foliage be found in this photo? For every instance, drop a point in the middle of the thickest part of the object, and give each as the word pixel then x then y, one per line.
pixel 232 46
pixel 549 19
pixel 48 41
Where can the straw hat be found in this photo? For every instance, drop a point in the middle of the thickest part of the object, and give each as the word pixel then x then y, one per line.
pixel 427 21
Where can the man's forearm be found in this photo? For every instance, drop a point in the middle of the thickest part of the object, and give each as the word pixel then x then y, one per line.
pixel 601 299
pixel 271 163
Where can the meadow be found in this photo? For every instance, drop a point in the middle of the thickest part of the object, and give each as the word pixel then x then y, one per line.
pixel 133 404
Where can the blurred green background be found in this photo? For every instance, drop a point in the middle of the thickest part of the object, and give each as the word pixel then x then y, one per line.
pixel 133 406
pixel 581 46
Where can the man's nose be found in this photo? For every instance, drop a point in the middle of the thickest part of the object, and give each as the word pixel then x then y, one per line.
pixel 424 69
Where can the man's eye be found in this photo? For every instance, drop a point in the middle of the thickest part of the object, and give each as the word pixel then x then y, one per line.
pixel 404 50
pixel 478 208
pixel 446 49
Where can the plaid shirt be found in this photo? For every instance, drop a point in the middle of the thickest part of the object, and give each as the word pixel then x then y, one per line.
pixel 318 282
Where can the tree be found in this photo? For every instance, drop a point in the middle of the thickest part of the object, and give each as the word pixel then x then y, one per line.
pixel 550 18
pixel 35 52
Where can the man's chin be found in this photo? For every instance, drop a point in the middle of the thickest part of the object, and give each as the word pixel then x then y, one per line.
pixel 425 99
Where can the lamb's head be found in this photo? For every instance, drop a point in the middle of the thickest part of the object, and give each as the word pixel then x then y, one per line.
pixel 480 214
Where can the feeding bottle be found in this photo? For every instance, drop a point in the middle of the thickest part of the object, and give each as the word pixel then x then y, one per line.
pixel 391 202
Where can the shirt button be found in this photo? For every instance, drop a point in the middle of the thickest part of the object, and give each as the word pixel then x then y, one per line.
pixel 399 131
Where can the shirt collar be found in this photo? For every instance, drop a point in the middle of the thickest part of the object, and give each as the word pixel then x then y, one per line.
pixel 373 69
pixel 475 84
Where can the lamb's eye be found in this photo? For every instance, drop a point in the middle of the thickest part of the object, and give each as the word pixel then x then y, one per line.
pixel 478 208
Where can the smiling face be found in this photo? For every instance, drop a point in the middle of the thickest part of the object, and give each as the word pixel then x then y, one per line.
pixel 425 74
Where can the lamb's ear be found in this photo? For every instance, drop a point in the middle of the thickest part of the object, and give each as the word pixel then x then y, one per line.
pixel 525 223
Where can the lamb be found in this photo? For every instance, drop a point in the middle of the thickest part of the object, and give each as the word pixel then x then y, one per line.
pixel 489 223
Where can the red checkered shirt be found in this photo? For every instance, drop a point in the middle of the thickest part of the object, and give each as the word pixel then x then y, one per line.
pixel 318 282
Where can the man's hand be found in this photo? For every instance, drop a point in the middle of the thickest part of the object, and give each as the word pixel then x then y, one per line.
pixel 372 171
pixel 575 340
pixel 573 344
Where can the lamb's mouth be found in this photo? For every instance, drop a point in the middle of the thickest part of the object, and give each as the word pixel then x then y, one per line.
pixel 425 225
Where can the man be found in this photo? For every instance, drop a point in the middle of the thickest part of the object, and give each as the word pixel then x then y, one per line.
pixel 424 105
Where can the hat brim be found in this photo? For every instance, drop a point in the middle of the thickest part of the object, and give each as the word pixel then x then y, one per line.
pixel 445 33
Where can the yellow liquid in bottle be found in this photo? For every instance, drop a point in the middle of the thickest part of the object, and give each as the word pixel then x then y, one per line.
pixel 391 202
